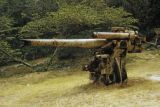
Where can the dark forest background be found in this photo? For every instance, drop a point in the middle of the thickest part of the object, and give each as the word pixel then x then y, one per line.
pixel 21 19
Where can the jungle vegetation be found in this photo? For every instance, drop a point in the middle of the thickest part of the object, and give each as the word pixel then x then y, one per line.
pixel 21 19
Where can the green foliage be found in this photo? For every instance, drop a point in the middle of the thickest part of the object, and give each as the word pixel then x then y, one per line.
pixel 23 11
pixel 37 28
pixel 18 10
pixel 74 19
pixel 5 23
pixel 118 17
pixel 15 14
pixel 67 19
pixel 44 6
pixel 146 11
pixel 6 47
pixel 96 4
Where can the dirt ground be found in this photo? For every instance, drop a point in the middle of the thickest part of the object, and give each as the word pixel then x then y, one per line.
pixel 72 88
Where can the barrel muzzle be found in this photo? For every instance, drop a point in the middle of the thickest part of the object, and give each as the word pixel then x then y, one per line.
pixel 26 42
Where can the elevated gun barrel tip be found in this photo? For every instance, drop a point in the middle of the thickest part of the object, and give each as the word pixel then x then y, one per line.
pixel 26 42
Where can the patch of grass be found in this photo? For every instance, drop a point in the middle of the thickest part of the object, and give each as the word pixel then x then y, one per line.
pixel 70 87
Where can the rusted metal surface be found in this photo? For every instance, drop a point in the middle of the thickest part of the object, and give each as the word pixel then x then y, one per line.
pixel 114 35
pixel 80 43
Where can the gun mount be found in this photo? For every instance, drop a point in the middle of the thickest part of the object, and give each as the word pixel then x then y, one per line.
pixel 108 64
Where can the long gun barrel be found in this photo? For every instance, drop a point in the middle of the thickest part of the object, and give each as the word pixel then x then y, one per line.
pixel 80 43
pixel 99 40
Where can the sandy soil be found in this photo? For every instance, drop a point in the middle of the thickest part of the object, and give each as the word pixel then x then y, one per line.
pixel 72 88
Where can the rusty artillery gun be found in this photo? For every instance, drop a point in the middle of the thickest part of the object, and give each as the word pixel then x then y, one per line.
pixel 111 48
